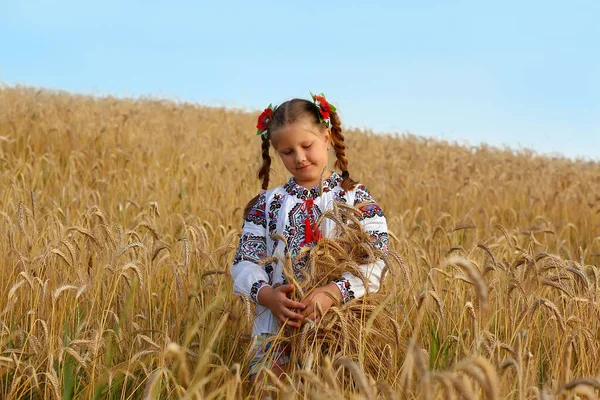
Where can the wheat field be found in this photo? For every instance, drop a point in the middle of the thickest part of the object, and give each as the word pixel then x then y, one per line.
pixel 119 220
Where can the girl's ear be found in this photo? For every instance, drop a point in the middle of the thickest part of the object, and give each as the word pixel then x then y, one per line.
pixel 327 136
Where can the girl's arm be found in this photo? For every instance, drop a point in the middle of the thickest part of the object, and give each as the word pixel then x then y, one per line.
pixel 375 224
pixel 248 276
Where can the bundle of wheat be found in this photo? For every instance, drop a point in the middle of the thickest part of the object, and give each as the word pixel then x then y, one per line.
pixel 362 329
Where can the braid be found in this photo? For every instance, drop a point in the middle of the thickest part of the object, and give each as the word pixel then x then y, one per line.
pixel 265 169
pixel 263 173
pixel 337 138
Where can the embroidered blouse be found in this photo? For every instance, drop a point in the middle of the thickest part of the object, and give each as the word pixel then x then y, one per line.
pixel 287 211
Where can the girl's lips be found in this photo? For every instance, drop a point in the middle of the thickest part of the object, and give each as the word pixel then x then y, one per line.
pixel 303 168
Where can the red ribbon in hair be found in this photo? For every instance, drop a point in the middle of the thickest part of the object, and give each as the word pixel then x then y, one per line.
pixel 311 231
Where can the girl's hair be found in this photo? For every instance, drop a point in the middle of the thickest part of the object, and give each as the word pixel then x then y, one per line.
pixel 290 112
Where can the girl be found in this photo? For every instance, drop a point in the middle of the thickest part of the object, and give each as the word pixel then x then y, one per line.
pixel 301 132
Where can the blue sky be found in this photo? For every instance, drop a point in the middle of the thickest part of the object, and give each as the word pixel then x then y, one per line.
pixel 515 73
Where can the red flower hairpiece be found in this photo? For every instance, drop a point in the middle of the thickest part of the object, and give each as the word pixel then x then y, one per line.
pixel 264 120
pixel 325 108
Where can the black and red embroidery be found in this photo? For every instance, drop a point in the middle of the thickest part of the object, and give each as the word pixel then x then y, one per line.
pixel 257 213
pixel 295 232
pixel 345 288
pixel 380 240
pixel 269 271
pixel 362 195
pixel 252 248
pixel 370 210
pixel 255 288
pixel 274 208
pixel 331 182
pixel 292 188
pixel 340 196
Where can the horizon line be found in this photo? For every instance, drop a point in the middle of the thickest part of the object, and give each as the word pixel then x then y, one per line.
pixel 464 143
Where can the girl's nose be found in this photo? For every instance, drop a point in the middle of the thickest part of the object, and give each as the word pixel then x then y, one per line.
pixel 300 157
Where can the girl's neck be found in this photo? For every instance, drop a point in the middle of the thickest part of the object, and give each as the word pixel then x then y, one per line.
pixel 309 185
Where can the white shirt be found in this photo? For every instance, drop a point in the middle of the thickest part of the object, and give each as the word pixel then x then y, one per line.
pixel 284 210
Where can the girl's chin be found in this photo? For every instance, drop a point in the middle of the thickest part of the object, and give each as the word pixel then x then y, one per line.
pixel 310 173
pixel 307 173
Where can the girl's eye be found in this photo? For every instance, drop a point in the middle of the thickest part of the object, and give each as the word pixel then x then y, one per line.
pixel 307 146
pixel 287 153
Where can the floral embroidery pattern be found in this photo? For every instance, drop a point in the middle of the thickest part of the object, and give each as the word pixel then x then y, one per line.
pixel 370 210
pixel 381 240
pixel 362 195
pixel 340 196
pixel 255 288
pixel 269 271
pixel 274 208
pixel 303 193
pixel 300 267
pixel 252 248
pixel 331 182
pixel 345 288
pixel 257 213
pixel 294 231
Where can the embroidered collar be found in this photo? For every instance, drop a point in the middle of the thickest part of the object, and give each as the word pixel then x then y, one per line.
pixel 303 193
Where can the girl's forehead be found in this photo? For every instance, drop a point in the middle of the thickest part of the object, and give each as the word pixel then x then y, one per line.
pixel 296 131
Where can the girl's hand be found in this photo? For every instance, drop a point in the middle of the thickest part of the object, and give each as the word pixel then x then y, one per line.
pixel 321 295
pixel 280 305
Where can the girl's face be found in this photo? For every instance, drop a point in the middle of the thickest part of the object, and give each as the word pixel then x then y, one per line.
pixel 303 150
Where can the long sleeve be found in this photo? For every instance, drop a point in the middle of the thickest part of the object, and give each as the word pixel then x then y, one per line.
pixel 374 223
pixel 248 276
